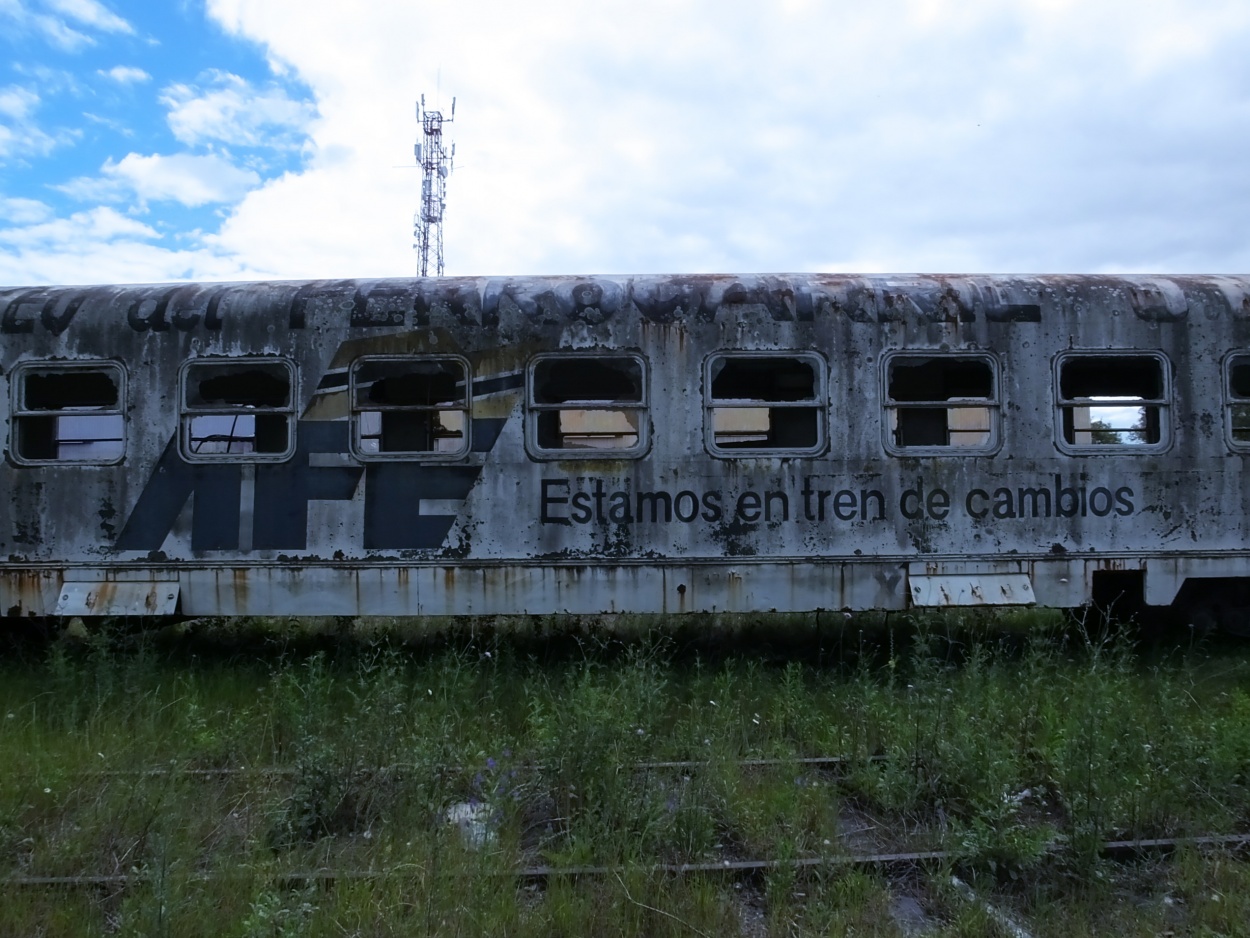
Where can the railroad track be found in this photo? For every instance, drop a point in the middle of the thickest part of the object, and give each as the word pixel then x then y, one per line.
pixel 827 762
pixel 1120 850
pixel 899 867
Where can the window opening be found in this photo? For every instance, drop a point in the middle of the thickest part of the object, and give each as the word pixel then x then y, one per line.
pixel 410 406
pixel 238 408
pixel 70 414
pixel 1239 398
pixel 764 402
pixel 947 401
pixel 588 403
pixel 1113 400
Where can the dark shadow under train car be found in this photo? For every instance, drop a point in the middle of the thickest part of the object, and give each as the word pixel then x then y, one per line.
pixel 579 446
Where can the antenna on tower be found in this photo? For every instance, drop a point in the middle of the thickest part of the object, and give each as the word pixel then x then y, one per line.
pixel 436 163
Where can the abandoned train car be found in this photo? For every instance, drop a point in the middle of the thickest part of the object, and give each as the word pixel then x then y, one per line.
pixel 648 444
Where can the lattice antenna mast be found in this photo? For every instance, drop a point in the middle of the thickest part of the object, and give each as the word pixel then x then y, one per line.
pixel 436 163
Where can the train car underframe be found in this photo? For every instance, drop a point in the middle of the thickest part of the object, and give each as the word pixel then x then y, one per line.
pixel 1211 591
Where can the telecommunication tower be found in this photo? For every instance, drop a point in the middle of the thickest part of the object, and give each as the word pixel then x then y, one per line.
pixel 435 161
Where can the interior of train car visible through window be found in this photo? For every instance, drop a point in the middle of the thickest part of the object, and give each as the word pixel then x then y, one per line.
pixel 587 404
pixel 767 403
pixel 410 406
pixel 1112 400
pixel 238 408
pixel 1239 399
pixel 69 413
pixel 941 402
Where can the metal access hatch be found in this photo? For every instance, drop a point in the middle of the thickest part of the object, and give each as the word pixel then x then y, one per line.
pixel 117 598
pixel 971 589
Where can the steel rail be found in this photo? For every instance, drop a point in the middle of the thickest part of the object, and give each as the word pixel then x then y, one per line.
pixel 284 770
pixel 1114 849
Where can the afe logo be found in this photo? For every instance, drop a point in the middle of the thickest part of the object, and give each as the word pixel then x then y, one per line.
pixel 282 491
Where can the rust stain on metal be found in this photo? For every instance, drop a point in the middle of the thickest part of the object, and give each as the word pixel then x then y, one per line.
pixel 239 578
pixel 783 442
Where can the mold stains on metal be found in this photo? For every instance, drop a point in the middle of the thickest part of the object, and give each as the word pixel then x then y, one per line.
pixel 464 446
pixel 107 513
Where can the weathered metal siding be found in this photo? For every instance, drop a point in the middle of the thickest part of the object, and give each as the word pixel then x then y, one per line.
pixel 323 532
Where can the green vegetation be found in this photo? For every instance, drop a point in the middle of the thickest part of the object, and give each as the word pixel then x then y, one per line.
pixel 418 778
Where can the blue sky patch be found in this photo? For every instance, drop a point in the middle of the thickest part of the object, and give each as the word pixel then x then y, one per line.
pixel 149 109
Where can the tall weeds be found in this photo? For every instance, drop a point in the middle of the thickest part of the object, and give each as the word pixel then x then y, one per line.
pixel 998 743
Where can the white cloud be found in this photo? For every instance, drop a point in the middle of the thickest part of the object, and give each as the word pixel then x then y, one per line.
pixel 118 127
pixel 653 136
pixel 125 74
pixel 20 136
pixel 101 245
pixel 59 34
pixel 232 111
pixel 191 180
pixel 97 224
pixel 24 20
pixel 182 177
pixel 18 211
pixel 17 103
pixel 92 13
pixel 51 21
pixel 648 136
pixel 93 189
pixel 50 81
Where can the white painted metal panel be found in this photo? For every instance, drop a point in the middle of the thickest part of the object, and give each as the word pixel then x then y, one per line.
pixel 113 598
pixel 975 589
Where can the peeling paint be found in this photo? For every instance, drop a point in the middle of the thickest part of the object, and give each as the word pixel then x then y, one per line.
pixel 838 523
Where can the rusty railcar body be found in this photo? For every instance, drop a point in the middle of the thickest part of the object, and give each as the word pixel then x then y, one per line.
pixel 639 445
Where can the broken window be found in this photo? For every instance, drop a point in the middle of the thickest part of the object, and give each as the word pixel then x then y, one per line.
pixel 410 406
pixel 238 407
pixel 71 412
pixel 767 403
pixel 1112 400
pixel 941 401
pixel 1238 371
pixel 586 404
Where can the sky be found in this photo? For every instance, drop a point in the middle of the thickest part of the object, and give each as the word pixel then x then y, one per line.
pixel 263 139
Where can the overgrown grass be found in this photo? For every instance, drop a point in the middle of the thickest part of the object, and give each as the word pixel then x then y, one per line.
pixel 209 772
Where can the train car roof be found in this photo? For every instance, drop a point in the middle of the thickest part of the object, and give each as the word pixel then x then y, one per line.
pixel 654 298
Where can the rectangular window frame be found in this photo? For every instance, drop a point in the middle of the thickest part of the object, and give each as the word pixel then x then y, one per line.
pixel 20 411
pixel 1232 400
pixel 464 406
pixel 818 402
pixel 534 409
pixel 187 411
pixel 1163 403
pixel 992 404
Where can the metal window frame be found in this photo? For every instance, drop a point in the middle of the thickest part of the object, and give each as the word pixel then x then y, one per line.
pixel 532 409
pixel 819 402
pixel 1230 400
pixel 994 405
pixel 465 407
pixel 187 411
pixel 1163 403
pixel 19 410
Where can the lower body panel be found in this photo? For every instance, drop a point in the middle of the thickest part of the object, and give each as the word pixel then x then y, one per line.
pixel 529 588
